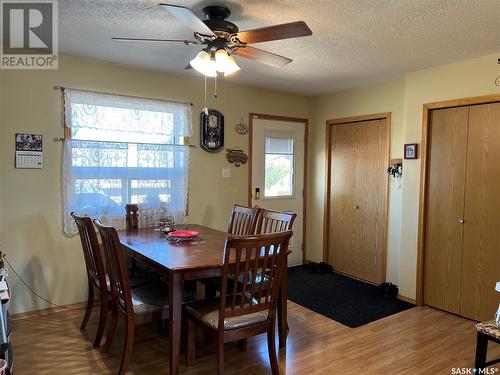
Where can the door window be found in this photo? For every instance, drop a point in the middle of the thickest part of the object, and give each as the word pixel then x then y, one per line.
pixel 279 167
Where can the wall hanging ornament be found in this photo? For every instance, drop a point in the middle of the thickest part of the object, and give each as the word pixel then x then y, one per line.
pixel 212 130
pixel 241 127
pixel 236 156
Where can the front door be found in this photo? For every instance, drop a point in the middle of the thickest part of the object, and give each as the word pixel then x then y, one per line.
pixel 277 183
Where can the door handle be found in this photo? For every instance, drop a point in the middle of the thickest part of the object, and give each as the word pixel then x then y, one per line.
pixel 461 220
pixel 356 207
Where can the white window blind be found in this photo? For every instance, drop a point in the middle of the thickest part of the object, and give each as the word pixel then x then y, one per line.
pixel 124 150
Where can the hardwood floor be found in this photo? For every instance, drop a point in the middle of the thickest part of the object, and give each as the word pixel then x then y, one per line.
pixel 421 340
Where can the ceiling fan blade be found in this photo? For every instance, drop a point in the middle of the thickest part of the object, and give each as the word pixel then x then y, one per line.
pixel 277 32
pixel 263 56
pixel 188 18
pixel 149 40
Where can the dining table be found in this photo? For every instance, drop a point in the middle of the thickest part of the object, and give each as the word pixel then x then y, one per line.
pixel 183 261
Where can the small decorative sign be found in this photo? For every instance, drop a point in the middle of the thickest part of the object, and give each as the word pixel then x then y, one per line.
pixel 236 156
pixel 29 151
pixel 411 151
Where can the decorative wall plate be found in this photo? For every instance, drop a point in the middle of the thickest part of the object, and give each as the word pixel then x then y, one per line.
pixel 236 156
pixel 241 127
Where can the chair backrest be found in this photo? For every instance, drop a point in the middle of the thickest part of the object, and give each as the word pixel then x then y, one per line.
pixel 117 270
pixel 257 262
pixel 91 249
pixel 269 221
pixel 131 217
pixel 243 220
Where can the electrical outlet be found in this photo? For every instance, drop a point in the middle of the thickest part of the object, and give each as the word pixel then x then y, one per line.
pixel 226 173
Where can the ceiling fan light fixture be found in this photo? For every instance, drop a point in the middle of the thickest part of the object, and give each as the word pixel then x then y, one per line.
pixel 225 63
pixel 204 64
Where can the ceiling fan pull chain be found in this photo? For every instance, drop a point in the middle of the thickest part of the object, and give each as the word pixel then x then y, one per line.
pixel 206 108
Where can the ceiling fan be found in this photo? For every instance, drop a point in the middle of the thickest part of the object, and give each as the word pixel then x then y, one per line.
pixel 222 39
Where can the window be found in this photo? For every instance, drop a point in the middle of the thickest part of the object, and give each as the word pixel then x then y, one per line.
pixel 124 150
pixel 279 166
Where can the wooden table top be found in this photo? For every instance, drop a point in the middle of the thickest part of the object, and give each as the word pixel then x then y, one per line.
pixel 153 245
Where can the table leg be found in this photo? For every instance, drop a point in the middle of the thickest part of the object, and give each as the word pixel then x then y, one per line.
pixel 174 320
pixel 282 310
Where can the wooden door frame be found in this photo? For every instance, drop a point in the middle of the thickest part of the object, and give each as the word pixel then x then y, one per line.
pixel 424 170
pixel 261 116
pixel 328 153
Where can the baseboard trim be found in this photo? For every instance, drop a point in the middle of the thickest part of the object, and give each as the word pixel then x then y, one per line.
pixel 50 310
pixel 406 299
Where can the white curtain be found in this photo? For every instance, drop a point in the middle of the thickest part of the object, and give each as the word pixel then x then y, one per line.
pixel 124 150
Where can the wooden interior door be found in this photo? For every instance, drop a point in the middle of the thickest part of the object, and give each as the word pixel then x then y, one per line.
pixel 445 208
pixel 358 198
pixel 481 243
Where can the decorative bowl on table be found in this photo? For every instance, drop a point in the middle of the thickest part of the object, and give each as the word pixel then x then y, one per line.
pixel 183 236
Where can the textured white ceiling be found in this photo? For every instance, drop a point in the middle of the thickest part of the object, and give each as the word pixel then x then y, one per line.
pixel 354 42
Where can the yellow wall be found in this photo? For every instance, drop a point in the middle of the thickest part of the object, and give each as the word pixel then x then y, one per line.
pixel 404 98
pixel 30 200
pixel 30 209
pixel 454 81
pixel 387 97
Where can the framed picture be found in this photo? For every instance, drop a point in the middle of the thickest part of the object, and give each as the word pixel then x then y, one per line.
pixel 411 151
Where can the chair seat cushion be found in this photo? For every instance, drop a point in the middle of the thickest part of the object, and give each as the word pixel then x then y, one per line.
pixel 149 299
pixel 489 328
pixel 154 298
pixel 208 312
pixel 259 279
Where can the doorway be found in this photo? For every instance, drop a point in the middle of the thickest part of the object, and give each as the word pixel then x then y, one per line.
pixel 277 171
pixel 356 196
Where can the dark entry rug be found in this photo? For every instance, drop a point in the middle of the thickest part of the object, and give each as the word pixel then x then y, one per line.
pixel 348 301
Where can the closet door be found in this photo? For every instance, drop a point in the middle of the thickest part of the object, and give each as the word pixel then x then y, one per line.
pixel 445 208
pixel 359 158
pixel 481 243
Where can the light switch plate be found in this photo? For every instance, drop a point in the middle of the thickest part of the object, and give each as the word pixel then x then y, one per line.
pixel 226 173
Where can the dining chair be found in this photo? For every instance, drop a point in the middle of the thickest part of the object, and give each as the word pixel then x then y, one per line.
pixel 245 311
pixel 269 221
pixel 265 221
pixel 96 274
pixel 137 306
pixel 241 223
pixel 243 220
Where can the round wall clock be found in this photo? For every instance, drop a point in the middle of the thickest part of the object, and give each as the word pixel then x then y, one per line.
pixel 212 130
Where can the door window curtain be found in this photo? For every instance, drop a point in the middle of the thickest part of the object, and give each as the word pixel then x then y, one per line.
pixel 124 150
